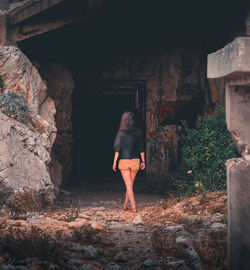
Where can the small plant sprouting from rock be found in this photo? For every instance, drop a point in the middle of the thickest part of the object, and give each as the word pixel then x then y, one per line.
pixel 1 82
pixel 24 201
pixel 14 106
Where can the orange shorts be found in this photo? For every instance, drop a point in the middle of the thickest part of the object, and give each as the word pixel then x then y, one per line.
pixel 129 164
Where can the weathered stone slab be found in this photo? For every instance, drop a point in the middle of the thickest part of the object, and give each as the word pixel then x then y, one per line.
pixel 238 112
pixel 238 187
pixel 232 59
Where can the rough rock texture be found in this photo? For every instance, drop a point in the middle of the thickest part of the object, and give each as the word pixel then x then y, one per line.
pixel 25 149
pixel 23 159
pixel 60 88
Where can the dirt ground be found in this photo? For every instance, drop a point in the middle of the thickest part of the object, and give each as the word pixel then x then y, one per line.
pixel 87 229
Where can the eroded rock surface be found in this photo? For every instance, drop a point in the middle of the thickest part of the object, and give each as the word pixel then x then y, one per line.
pixel 25 148
pixel 60 87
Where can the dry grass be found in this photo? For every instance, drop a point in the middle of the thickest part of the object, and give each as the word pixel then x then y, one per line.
pixel 22 243
pixel 194 212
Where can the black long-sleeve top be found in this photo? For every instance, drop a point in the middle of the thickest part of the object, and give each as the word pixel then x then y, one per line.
pixel 129 144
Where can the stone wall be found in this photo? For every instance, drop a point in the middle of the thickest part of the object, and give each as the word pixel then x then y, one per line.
pixel 25 148
pixel 177 74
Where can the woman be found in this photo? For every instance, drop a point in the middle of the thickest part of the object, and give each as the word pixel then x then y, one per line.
pixel 128 146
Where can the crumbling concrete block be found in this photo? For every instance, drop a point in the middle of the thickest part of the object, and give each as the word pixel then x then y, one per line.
pixel 234 58
pixel 238 188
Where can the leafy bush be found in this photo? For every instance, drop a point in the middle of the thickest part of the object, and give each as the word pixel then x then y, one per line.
pixel 1 81
pixel 14 106
pixel 205 149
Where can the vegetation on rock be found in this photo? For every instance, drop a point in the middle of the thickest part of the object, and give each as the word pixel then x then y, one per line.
pixel 14 106
pixel 205 148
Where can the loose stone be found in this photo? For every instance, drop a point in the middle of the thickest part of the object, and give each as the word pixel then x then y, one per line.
pixel 90 252
pixel 112 266
pixel 149 263
pixel 138 220
pixel 120 257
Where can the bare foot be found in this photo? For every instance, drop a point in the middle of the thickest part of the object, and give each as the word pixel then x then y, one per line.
pixel 133 210
pixel 125 207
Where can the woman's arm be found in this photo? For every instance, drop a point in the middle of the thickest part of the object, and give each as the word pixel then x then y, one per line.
pixel 115 160
pixel 142 160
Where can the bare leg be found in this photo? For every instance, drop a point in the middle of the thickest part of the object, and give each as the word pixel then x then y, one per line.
pixel 125 206
pixel 129 178
pixel 126 175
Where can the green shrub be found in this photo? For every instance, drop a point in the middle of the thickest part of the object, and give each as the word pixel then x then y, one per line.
pixel 205 149
pixel 14 106
pixel 1 81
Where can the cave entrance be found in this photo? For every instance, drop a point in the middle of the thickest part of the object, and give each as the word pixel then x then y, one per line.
pixel 97 111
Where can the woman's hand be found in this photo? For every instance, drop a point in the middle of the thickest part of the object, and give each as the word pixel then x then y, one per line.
pixel 142 165
pixel 114 167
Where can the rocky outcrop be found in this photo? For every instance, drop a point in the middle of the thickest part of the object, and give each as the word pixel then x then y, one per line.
pixel 60 87
pixel 25 149
pixel 24 159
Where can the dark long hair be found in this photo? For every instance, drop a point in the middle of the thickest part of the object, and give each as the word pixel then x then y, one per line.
pixel 128 121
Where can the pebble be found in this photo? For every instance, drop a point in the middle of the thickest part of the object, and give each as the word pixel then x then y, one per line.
pixel 128 229
pixel 34 215
pixel 90 252
pixel 12 267
pixel 138 220
pixel 120 257
pixel 75 262
pixel 112 266
pixel 149 263
pixel 217 226
pixel 174 228
pixel 217 217
pixel 181 240
pixel 176 264
pixel 88 267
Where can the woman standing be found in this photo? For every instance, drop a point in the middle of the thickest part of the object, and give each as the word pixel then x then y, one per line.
pixel 128 146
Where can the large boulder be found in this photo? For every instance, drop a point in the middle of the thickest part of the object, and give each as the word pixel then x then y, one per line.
pixel 25 148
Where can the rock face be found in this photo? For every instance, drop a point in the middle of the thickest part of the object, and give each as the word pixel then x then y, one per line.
pixel 25 149
pixel 60 87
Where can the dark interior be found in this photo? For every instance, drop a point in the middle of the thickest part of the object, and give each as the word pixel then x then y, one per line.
pixel 126 26
pixel 96 121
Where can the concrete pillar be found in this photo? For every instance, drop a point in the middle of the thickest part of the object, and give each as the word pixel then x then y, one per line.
pixel 238 176
pixel 232 63
pixel 238 189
